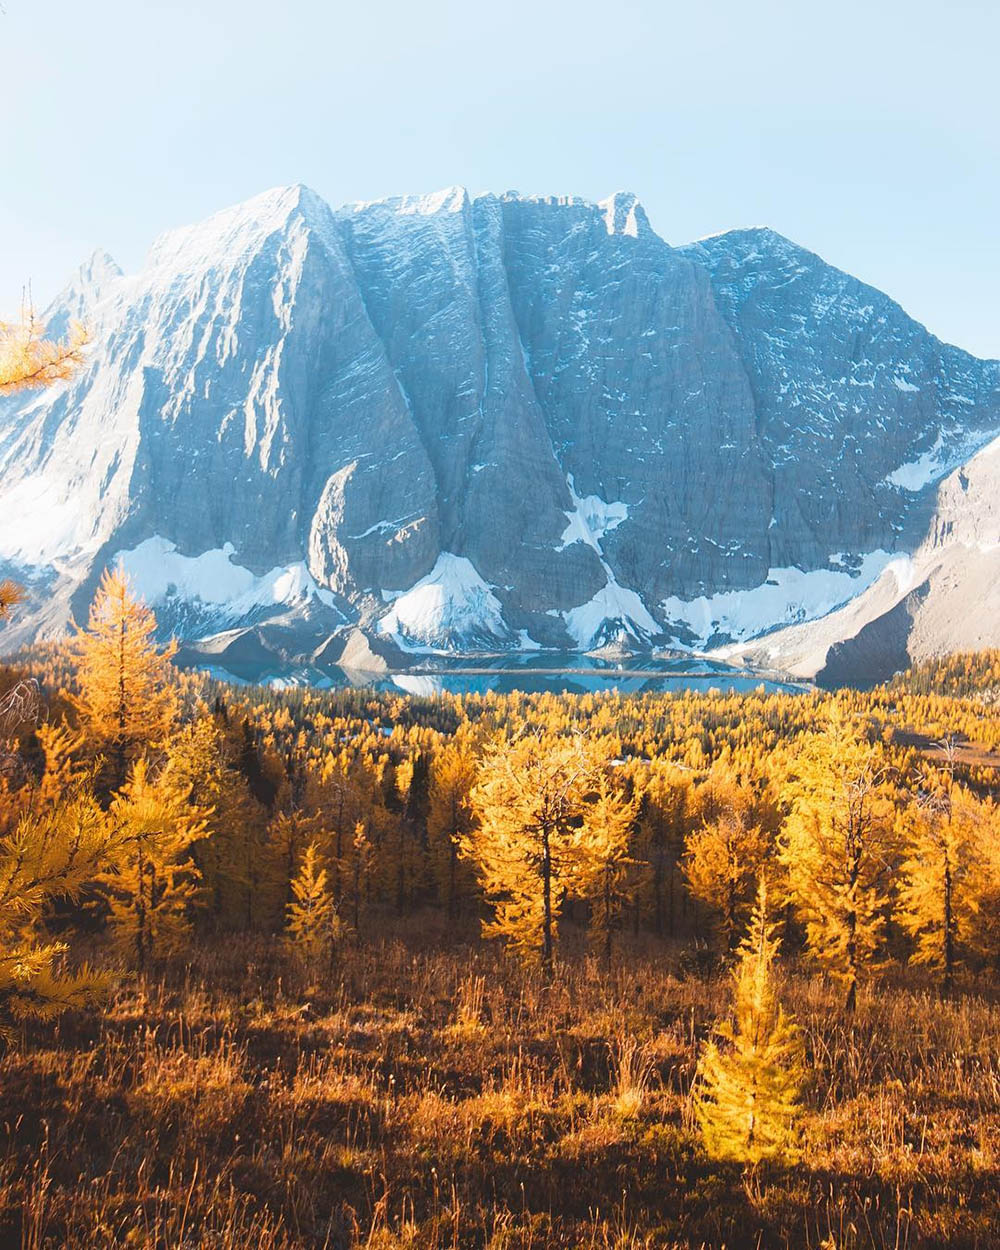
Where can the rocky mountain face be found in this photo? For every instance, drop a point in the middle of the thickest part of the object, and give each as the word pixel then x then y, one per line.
pixel 480 423
pixel 945 596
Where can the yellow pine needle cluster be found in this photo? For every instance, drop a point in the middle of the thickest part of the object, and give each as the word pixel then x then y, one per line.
pixel 29 360
pixel 10 596
pixel 747 1098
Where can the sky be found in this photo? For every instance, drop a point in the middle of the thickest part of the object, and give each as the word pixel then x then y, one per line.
pixel 867 132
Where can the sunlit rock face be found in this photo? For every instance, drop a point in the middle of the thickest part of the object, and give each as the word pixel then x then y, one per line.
pixel 472 422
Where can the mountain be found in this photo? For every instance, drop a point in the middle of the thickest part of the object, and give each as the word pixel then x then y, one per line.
pixel 477 423
pixel 944 597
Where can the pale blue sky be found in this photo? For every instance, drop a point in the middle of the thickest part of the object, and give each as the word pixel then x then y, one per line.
pixel 866 131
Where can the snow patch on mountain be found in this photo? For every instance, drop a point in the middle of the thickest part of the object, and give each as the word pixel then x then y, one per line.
pixel 159 572
pixel 590 519
pixel 936 462
pixel 418 683
pixel 921 472
pixel 39 524
pixel 448 608
pixel 789 595
pixel 623 214
pixel 613 611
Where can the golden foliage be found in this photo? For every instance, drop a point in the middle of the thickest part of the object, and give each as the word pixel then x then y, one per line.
pixel 313 926
pixel 608 871
pixel 529 848
pixel 946 874
pixel 10 596
pixel 838 847
pixel 722 862
pixel 29 360
pixel 127 698
pixel 152 885
pixel 48 858
pixel 748 1093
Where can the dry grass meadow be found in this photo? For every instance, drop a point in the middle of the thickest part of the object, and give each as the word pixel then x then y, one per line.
pixel 435 1097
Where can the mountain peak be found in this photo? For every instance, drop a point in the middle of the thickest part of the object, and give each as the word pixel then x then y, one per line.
pixel 89 285
pixel 751 243
pixel 100 266
pixel 240 228
pixel 453 199
pixel 623 214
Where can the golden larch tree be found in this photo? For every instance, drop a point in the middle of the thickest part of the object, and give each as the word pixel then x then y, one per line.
pixel 608 869
pixel 527 846
pixel 722 862
pixel 312 927
pixel 838 848
pixel 63 770
pixel 201 758
pixel 127 698
pixel 944 873
pixel 750 1076
pixel 49 858
pixel 449 820
pixel 363 862
pixel 152 885
pixel 664 816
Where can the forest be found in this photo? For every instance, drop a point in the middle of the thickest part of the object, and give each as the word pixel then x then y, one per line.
pixel 339 969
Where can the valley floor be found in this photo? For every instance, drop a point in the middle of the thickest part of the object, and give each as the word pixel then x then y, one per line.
pixel 430 1094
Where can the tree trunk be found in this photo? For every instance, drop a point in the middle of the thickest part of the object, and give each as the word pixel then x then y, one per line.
pixel 121 758
pixel 852 963
pixel 140 915
pixel 547 960
pixel 607 918
pixel 949 937
pixel 452 876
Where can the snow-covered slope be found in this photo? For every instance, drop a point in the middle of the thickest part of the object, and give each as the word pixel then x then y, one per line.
pixel 471 422
pixel 945 597
pixel 450 608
